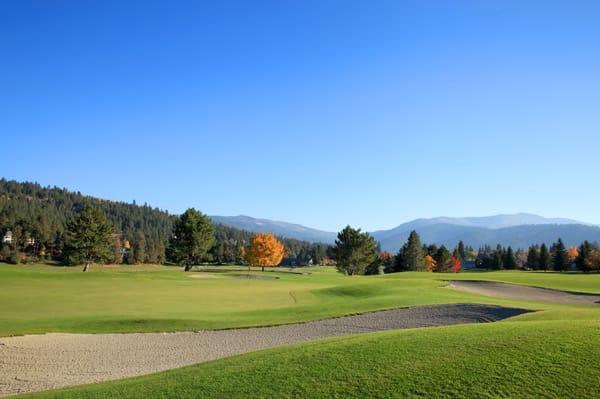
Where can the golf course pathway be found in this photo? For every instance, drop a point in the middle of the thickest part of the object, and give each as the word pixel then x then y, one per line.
pixel 39 362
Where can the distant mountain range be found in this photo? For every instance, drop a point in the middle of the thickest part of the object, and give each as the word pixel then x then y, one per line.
pixel 284 229
pixel 518 230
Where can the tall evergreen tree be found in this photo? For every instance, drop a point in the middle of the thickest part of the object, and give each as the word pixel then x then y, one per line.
pixel 90 238
pixel 509 261
pixel 354 251
pixel 411 257
pixel 443 259
pixel 544 259
pixel 560 257
pixel 483 259
pixel 193 238
pixel 462 254
pixel 498 258
pixel 585 249
pixel 532 258
pixel 430 250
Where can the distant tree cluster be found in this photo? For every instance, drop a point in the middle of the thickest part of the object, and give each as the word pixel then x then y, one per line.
pixel 497 258
pixel 356 252
pixel 416 256
pixel 230 242
pixel 557 257
pixel 585 258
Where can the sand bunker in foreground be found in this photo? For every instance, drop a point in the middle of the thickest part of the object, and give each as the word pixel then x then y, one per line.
pixel 39 362
pixel 522 292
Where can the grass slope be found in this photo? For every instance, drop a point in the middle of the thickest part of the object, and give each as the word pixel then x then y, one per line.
pixel 552 359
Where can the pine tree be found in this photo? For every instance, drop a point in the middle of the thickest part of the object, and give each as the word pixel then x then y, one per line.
pixel 429 250
pixel 585 249
pixel 483 259
pixel 354 251
pixel 462 254
pixel 193 238
pixel 560 257
pixel 411 257
pixel 544 259
pixel 90 238
pixel 532 258
pixel 443 259
pixel 509 261
pixel 498 258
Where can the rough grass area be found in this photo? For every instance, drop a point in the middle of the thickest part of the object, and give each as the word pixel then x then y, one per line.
pixel 551 359
pixel 38 299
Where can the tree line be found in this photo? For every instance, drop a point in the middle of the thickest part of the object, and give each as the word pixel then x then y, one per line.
pixel 44 223
pixel 357 252
pixel 585 257
pixel 90 235
pixel 34 220
pixel 557 257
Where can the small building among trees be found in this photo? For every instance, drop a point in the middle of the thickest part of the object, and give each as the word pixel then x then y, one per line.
pixel 7 238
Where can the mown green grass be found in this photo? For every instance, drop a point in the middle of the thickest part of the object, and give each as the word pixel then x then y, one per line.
pixel 38 299
pixel 551 353
pixel 550 359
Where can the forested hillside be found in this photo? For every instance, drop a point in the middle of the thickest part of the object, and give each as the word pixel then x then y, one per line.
pixel 35 218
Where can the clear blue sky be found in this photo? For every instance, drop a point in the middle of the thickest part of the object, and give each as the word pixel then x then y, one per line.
pixel 318 112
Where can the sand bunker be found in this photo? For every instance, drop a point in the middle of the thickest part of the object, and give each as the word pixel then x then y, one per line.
pixel 522 292
pixel 39 362
pixel 206 276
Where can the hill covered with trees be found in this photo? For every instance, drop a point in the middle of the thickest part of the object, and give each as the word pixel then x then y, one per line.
pixel 33 219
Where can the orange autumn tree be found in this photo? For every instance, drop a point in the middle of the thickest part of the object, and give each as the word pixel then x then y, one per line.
pixel 430 263
pixel 264 251
pixel 572 253
pixel 456 265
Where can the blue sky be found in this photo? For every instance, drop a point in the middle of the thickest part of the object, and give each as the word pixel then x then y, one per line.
pixel 322 113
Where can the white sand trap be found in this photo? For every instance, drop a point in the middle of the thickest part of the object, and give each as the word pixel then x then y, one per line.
pixel 522 292
pixel 204 276
pixel 39 362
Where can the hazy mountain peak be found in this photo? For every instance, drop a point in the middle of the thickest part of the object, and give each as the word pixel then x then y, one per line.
pixel 492 222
